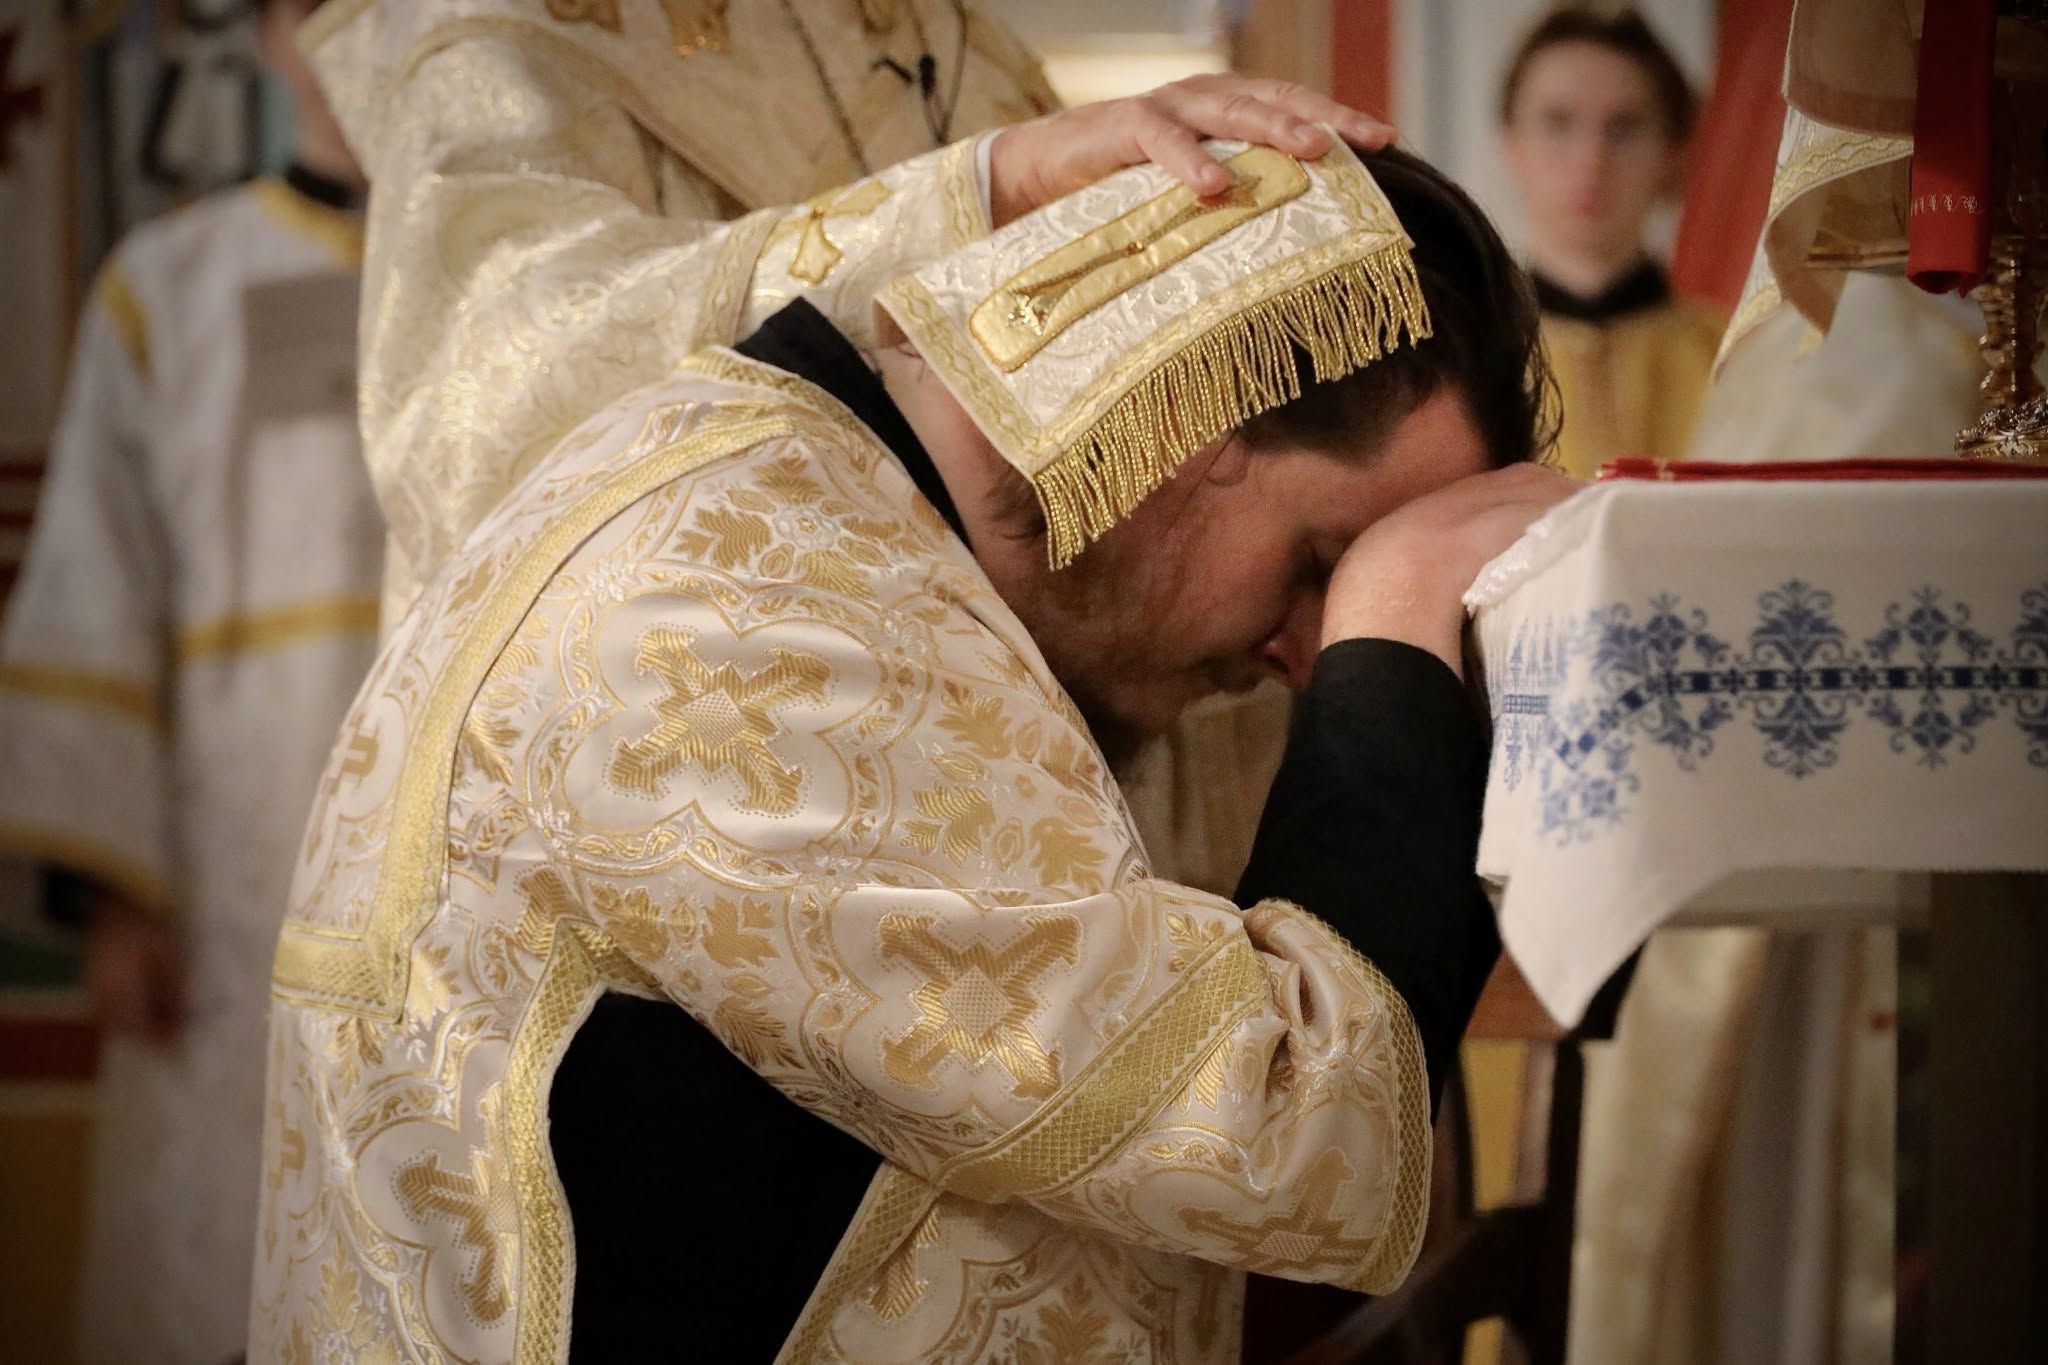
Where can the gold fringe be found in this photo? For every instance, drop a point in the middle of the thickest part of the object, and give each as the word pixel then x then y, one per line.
pixel 1344 319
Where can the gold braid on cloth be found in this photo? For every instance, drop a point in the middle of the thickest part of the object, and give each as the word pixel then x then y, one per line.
pixel 1840 195
pixel 1104 339
pixel 719 712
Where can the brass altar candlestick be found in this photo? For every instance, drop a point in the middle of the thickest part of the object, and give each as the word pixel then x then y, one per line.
pixel 2015 424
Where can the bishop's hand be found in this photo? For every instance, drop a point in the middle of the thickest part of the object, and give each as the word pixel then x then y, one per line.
pixel 1035 163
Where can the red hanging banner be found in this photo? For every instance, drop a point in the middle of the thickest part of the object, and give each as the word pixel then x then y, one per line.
pixel 1949 236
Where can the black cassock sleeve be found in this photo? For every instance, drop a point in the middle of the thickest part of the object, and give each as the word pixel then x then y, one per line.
pixel 1373 826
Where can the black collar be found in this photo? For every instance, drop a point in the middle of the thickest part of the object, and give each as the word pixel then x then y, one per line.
pixel 800 340
pixel 1641 288
pixel 323 189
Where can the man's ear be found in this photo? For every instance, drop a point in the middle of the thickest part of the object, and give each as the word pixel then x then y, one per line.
pixel 1227 460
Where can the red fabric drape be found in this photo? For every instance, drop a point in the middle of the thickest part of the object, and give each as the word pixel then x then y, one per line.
pixel 1362 55
pixel 1949 235
pixel 1734 152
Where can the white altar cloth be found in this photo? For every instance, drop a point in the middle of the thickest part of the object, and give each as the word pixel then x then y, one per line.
pixel 1695 681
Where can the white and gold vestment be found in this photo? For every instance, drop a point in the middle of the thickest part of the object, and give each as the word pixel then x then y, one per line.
pixel 714 709
pixel 555 178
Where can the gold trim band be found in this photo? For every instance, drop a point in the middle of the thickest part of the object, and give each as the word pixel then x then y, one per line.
pixel 1399 1240
pixel 725 291
pixel 244 632
pixel 966 200
pixel 117 295
pixel 102 691
pixel 1143 1068
pixel 580 963
pixel 1831 157
pixel 895 1204
pixel 367 972
pixel 1088 1121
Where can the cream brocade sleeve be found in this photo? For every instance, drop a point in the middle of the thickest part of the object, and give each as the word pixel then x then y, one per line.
pixel 997 996
pixel 1130 1056
pixel 84 760
pixel 722 713
pixel 535 252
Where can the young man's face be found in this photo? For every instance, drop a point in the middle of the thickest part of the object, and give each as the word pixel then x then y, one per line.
pixel 1587 147
pixel 1217 581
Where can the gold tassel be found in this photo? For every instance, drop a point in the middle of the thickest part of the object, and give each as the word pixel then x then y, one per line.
pixel 1344 319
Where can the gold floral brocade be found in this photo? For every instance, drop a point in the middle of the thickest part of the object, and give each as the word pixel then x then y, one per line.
pixel 549 237
pixel 715 710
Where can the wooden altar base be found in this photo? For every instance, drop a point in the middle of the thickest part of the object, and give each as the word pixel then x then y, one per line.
pixel 1988 1139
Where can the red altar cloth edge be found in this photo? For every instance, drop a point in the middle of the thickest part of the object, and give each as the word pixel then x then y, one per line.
pixel 1701 471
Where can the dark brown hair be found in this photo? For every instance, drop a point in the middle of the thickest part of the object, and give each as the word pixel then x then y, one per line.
pixel 1623 32
pixel 1484 342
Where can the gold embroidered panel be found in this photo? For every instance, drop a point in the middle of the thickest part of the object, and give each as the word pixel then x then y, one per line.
pixel 360 963
pixel 1035 305
pixel 1105 338
pixel 764 742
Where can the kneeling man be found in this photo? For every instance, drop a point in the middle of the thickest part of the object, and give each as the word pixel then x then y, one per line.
pixel 721 935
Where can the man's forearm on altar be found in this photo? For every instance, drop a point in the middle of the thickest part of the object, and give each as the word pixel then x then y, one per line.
pixel 1373 826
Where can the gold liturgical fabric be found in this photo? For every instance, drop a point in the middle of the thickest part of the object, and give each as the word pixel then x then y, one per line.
pixel 715 709
pixel 1629 385
pixel 549 236
pixel 1103 339
pixel 718 711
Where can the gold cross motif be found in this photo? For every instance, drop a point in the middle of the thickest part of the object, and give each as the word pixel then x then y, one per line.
pixel 1308 1236
pixel 358 759
pixel 1043 299
pixel 486 1218
pixel 817 254
pixel 978 1003
pixel 718 720
pixel 1033 304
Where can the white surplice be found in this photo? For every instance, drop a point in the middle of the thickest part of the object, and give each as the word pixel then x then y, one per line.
pixel 197 608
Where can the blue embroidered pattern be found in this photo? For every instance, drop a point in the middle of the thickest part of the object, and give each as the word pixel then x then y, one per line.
pixel 1929 677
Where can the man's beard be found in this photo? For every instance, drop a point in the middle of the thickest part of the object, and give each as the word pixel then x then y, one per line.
pixel 1120 740
pixel 1103 629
